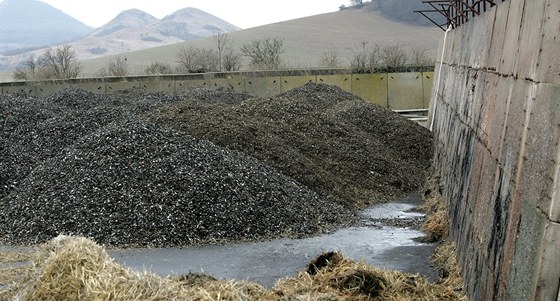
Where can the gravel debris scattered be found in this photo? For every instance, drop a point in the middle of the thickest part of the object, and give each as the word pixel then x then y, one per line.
pixel 155 169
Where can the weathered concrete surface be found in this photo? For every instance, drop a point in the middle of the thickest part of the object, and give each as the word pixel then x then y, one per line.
pixel 406 90
pixel 496 116
pixel 403 90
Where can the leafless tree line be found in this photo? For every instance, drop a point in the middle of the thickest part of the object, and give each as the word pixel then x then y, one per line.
pixel 367 57
pixel 261 54
pixel 57 63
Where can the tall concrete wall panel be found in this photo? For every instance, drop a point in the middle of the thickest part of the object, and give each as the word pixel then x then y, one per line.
pixel 158 84
pixel 267 86
pixel 496 118
pixel 182 85
pixel 427 81
pixel 344 81
pixel 406 90
pixel 290 82
pixel 403 87
pixel 9 89
pixel 117 85
pixel 373 88
pixel 234 82
pixel 549 60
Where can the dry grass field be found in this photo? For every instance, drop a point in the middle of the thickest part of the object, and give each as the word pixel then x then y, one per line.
pixel 5 76
pixel 305 39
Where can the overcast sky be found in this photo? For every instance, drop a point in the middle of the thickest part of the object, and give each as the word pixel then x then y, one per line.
pixel 241 13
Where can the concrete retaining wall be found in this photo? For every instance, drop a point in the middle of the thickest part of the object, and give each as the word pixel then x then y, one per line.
pixel 399 91
pixel 496 116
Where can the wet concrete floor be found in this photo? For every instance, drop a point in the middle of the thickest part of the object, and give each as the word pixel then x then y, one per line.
pixel 265 262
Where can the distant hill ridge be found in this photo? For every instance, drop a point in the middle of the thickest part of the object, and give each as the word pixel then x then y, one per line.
pixel 30 24
pixel 186 24
pixel 27 26
pixel 144 39
pixel 305 40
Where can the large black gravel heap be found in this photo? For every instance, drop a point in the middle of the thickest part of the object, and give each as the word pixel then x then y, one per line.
pixel 329 140
pixel 33 130
pixel 125 169
pixel 134 183
pixel 87 164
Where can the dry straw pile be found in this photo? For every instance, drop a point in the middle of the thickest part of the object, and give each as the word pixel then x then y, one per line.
pixel 76 268
pixel 436 227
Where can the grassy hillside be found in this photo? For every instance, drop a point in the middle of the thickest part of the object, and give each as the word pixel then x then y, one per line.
pixel 305 39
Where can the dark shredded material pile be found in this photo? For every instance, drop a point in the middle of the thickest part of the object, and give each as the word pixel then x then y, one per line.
pixel 174 169
pixel 135 183
pixel 329 140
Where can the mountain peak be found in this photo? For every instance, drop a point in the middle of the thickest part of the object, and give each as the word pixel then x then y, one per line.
pixel 138 14
pixel 188 12
pixel 132 18
pixel 192 23
pixel 135 17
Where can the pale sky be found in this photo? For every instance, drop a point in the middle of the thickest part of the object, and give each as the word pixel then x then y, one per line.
pixel 241 13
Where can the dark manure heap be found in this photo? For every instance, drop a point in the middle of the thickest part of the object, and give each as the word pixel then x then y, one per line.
pixel 327 139
pixel 139 169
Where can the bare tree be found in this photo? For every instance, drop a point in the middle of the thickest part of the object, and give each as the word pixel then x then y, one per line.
pixel 117 66
pixel 329 59
pixel 224 45
pixel 61 62
pixel 29 70
pixel 58 63
pixel 374 57
pixel 419 57
pixel 394 56
pixel 158 68
pixel 186 58
pixel 231 61
pixel 366 58
pixel 264 53
pixel 207 60
pixel 198 60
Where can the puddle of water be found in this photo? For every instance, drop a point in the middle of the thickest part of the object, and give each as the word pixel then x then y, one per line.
pixel 266 262
pixel 392 210
pixel 401 209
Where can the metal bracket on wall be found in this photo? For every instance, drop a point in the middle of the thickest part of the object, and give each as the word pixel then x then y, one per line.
pixel 456 12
